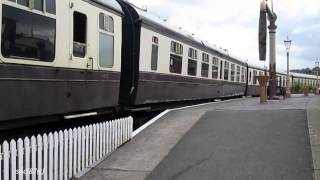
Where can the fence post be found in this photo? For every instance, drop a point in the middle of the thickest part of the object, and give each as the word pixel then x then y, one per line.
pixel 6 157
pixel 70 153
pixel 103 125
pixel 87 146
pixel 56 156
pixel 33 158
pixel 39 167
pixel 13 157
pixel 83 143
pixel 27 157
pixel 66 157
pixel 75 140
pixel 101 141
pixel 90 145
pixel 107 138
pixel 51 166
pixel 45 157
pixel 94 148
pixel 20 159
pixel 61 151
pixel 79 149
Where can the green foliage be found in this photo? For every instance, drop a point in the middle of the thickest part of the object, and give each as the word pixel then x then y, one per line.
pixel 309 71
pixel 296 87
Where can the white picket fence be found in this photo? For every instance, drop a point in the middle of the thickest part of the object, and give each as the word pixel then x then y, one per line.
pixel 64 154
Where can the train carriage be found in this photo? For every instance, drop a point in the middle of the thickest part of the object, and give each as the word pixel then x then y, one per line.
pixel 162 63
pixel 59 57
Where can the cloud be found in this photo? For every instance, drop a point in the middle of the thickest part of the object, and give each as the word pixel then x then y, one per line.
pixel 233 25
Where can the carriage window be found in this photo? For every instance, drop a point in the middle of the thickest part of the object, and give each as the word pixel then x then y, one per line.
pixel 175 64
pixel 250 76
pixel 193 54
pixel 79 34
pixel 254 77
pixel 192 62
pixel 176 48
pixel 154 57
pixel 106 56
pixel 176 57
pixel 106 23
pixel 233 68
pixel 106 41
pixel 192 67
pixel 26 35
pixel 38 5
pixel 205 70
pixel 154 53
pixel 215 68
pixel 205 65
pixel 24 2
pixel 238 74
pixel 243 74
pixel 51 6
pixel 226 70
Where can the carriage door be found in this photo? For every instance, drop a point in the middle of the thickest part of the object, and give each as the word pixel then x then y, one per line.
pixel 80 55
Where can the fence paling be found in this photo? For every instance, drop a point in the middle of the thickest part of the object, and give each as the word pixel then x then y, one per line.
pixel 63 154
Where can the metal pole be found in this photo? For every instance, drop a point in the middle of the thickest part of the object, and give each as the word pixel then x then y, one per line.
pixel 272 38
pixel 317 66
pixel 288 93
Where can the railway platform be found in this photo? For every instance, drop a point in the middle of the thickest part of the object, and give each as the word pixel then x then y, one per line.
pixel 236 139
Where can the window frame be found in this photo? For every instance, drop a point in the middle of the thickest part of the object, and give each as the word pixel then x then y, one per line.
pixel 22 60
pixel 226 69
pixel 233 72
pixel 104 31
pixel 238 73
pixel 176 50
pixel 192 57
pixel 155 42
pixel 205 62
pixel 215 64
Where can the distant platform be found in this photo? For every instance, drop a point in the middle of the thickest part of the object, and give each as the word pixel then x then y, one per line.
pixel 236 139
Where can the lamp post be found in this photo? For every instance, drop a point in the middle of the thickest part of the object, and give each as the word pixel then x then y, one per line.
pixel 317 68
pixel 287 44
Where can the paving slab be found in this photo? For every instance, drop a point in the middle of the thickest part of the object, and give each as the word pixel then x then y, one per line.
pixel 137 159
pixel 242 145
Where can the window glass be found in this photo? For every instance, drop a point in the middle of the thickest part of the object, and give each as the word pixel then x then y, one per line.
pixel 205 70
pixel 238 74
pixel 176 48
pixel 215 72
pixel 38 5
pixel 192 67
pixel 232 72
pixel 175 64
pixel 51 6
pixel 193 53
pixel 254 77
pixel 226 71
pixel 79 34
pixel 154 57
pixel 101 21
pixel 24 2
pixel 26 35
pixel 205 57
pixel 106 50
pixel 243 74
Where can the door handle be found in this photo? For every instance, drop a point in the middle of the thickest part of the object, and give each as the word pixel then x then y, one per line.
pixel 90 63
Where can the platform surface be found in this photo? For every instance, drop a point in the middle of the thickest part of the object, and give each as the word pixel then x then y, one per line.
pixel 238 139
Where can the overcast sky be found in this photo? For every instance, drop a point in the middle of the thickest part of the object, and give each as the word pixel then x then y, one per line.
pixel 233 25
